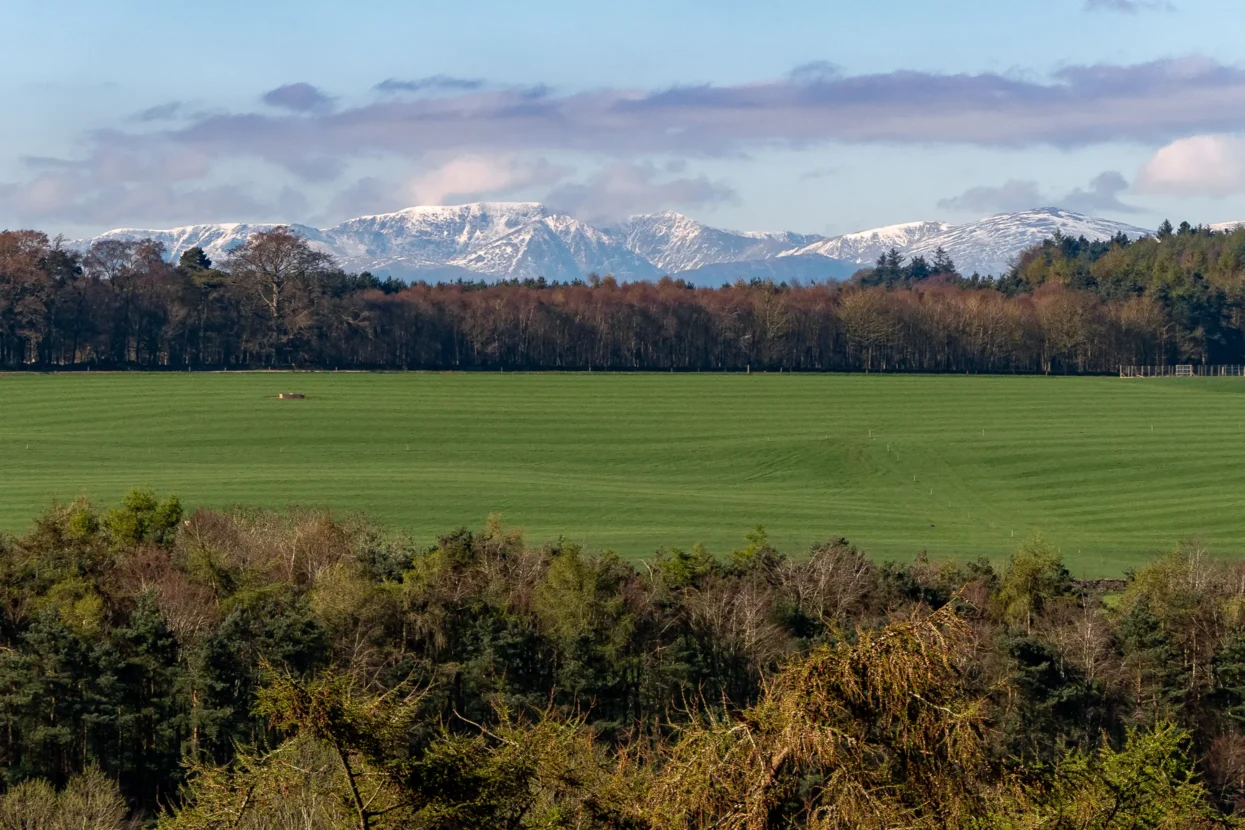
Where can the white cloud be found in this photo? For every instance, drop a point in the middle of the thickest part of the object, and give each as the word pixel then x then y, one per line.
pixel 622 189
pixel 1204 165
pixel 115 187
pixel 604 193
pixel 472 177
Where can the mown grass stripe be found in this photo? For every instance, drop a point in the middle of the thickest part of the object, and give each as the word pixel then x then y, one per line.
pixel 1114 469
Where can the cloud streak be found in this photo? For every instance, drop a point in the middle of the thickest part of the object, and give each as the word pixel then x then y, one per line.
pixel 1012 195
pixel 1102 194
pixel 623 189
pixel 316 138
pixel 1077 106
pixel 160 112
pixel 1128 6
pixel 430 84
pixel 469 178
pixel 300 97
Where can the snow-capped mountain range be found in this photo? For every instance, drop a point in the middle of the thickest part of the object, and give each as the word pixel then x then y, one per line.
pixel 526 239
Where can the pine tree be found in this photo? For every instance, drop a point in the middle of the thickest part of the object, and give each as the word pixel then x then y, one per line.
pixel 156 720
pixel 918 270
pixel 1157 677
pixel 194 260
pixel 943 264
pixel 1228 668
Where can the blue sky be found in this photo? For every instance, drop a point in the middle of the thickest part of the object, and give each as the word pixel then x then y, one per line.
pixel 813 116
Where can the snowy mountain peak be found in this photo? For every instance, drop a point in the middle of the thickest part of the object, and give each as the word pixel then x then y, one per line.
pixel 1226 227
pixel 902 230
pixel 676 243
pixel 864 247
pixel 216 240
pixel 990 245
pixel 527 239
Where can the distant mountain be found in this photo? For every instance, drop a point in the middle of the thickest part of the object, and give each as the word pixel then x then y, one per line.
pixel 215 240
pixel 507 240
pixel 987 246
pixel 428 237
pixel 676 244
pixel 487 239
pixel 864 247
pixel 990 245
pixel 503 240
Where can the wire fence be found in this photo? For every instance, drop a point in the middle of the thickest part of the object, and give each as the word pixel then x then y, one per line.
pixel 1183 370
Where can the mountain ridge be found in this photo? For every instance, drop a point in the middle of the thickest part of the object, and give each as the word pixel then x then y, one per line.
pixel 508 240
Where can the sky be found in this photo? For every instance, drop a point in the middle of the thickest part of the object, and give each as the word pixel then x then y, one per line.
pixel 816 116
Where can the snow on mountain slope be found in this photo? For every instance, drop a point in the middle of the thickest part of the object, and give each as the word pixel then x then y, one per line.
pixel 599 252
pixel 1227 227
pixel 864 247
pixel 556 247
pixel 990 245
pixel 215 240
pixel 987 246
pixel 674 243
pixel 501 239
pixel 525 239
pixel 531 251
pixel 429 235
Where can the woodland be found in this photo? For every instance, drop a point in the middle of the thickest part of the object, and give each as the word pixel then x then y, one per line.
pixel 1068 305
pixel 255 669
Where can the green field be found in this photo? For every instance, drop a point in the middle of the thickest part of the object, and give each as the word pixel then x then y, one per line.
pixel 1109 470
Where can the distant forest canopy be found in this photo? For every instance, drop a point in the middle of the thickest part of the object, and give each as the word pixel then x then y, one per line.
pixel 1068 305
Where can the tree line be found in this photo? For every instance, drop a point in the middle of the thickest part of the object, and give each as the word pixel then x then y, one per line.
pixel 253 669
pixel 1068 305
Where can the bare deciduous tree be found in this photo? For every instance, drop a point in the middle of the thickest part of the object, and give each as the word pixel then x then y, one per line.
pixel 279 271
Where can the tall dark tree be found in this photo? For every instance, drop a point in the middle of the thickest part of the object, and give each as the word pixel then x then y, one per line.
pixel 943 264
pixel 194 259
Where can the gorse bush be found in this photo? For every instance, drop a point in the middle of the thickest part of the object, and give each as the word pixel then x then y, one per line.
pixel 252 669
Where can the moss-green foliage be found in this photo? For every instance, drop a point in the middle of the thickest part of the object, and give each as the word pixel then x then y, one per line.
pixel 1193 270
pixel 89 801
pixel 1034 577
pixel 884 732
pixel 253 669
pixel 1147 783
pixel 140 519
pixel 1109 471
